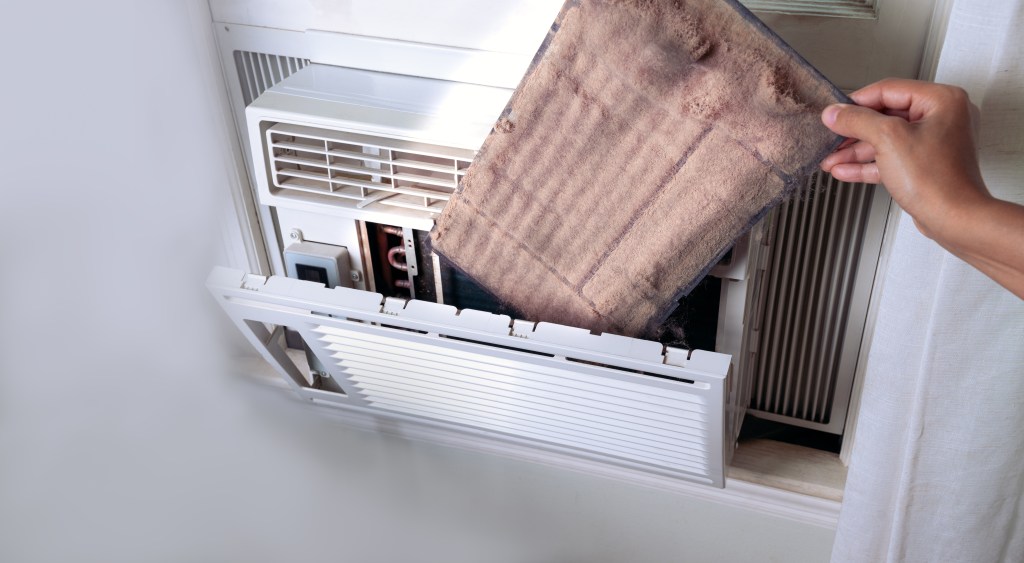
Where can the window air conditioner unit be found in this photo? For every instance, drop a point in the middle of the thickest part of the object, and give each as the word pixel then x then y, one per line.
pixel 365 161
pixel 351 166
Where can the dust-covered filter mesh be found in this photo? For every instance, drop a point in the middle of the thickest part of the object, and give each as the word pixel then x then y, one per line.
pixel 645 138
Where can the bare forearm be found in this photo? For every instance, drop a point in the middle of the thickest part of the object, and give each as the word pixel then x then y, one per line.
pixel 989 235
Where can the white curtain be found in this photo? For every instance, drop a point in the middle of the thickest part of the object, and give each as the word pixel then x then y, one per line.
pixel 937 471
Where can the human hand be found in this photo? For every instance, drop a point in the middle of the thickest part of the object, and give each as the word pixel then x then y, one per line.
pixel 918 140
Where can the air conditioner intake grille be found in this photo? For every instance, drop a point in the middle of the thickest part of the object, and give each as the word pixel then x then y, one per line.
pixel 817 245
pixel 559 406
pixel 864 9
pixel 362 170
pixel 603 397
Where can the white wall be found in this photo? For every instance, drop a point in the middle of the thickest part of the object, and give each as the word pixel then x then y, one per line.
pixel 123 436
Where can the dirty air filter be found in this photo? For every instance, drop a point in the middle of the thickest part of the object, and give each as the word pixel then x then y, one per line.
pixel 644 139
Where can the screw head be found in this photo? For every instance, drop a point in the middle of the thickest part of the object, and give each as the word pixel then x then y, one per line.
pixel 294 235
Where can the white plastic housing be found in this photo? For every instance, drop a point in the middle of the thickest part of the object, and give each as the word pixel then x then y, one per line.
pixel 379 147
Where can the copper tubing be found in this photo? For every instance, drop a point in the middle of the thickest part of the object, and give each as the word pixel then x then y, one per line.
pixel 397 231
pixel 394 262
pixel 404 284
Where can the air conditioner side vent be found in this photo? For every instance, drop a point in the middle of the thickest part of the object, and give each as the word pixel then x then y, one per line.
pixel 257 72
pixel 361 170
pixel 810 318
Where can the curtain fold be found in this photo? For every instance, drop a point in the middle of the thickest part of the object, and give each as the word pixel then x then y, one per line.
pixel 937 471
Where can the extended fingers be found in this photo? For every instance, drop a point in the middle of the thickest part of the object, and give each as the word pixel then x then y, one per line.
pixel 891 93
pixel 856 173
pixel 912 100
pixel 859 122
pixel 859 152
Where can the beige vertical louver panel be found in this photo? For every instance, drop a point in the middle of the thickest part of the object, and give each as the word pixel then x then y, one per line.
pixel 864 9
pixel 824 251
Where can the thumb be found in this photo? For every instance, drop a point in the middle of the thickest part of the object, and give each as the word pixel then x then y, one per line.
pixel 857 122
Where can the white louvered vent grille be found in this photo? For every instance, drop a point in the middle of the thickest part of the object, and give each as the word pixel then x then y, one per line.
pixel 614 418
pixel 259 71
pixel 619 400
pixel 863 9
pixel 816 247
pixel 362 170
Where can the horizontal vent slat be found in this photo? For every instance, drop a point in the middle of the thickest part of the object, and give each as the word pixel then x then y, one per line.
pixel 668 437
pixel 450 184
pixel 371 141
pixel 406 202
pixel 688 450
pixel 426 166
pixel 384 344
pixel 300 147
pixel 480 366
pixel 308 186
pixel 514 428
pixel 511 386
pixel 302 161
pixel 419 192
pixel 597 413
pixel 539 386
pixel 539 377
pixel 305 175
pixel 366 171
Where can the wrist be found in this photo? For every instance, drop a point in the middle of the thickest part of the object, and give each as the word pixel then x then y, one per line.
pixel 959 222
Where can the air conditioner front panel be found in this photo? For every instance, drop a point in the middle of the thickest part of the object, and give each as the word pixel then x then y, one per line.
pixel 413 108
pixel 598 396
